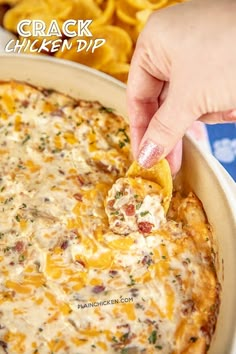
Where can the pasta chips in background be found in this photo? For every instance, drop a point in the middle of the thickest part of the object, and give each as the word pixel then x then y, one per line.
pixel 117 21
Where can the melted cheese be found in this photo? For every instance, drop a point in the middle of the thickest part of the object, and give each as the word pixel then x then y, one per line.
pixel 134 204
pixel 69 284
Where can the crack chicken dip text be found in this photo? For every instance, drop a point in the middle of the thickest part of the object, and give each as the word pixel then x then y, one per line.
pixel 72 283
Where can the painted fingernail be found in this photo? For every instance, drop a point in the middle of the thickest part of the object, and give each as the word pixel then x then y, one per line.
pixel 150 153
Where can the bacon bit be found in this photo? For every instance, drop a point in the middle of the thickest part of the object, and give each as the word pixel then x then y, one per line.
pixel 125 339
pixel 103 167
pixel 115 170
pixel 129 210
pixel 80 262
pixel 64 245
pixel 111 203
pixel 57 113
pixel 149 322
pixel 98 289
pixel 19 246
pixel 147 260
pixel 80 180
pixel 107 168
pixel 145 227
pixel 25 103
pixel 78 197
pixel 74 234
pixel 4 346
pixel 208 328
pixel 189 307
pixel 207 332
pixel 113 272
pixel 12 263
pixel 127 325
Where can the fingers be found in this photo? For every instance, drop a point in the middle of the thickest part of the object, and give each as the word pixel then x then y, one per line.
pixel 164 93
pixel 143 91
pixel 219 117
pixel 175 158
pixel 198 131
pixel 165 129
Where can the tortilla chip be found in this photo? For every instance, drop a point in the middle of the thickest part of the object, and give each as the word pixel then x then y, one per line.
pixel 160 173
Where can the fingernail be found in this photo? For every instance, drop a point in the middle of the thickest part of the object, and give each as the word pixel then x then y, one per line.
pixel 231 116
pixel 150 153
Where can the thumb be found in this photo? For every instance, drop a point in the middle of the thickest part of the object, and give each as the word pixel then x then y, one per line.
pixel 166 128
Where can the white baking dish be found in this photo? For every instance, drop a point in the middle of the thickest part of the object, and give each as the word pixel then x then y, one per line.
pixel 5 37
pixel 201 171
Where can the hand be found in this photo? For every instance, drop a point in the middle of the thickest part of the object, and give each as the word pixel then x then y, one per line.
pixel 183 69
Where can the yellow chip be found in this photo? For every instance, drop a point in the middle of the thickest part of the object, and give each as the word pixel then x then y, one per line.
pixel 131 19
pixel 99 2
pixel 48 10
pixel 59 10
pixel 9 2
pixel 108 10
pixel 126 13
pixel 160 173
pixel 130 29
pixel 82 9
pixel 96 60
pixel 174 2
pixel 143 15
pixel 117 38
pixel 118 47
pixel 147 4
pixel 118 70
pixel 21 11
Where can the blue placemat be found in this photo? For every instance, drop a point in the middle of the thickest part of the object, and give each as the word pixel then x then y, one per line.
pixel 222 139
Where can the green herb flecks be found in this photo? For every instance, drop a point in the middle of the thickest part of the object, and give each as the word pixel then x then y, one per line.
pixel 125 138
pixel 132 281
pixel 115 212
pixel 158 347
pixel 26 139
pixel 144 213
pixel 124 351
pixel 124 337
pixel 17 217
pixel 21 258
pixel 106 109
pixel 153 337
pixel 118 195
pixel 138 205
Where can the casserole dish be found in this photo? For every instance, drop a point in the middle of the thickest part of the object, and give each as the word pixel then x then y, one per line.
pixel 200 172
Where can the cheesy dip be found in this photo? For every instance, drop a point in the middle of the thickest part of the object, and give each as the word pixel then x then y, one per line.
pixel 134 205
pixel 70 282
